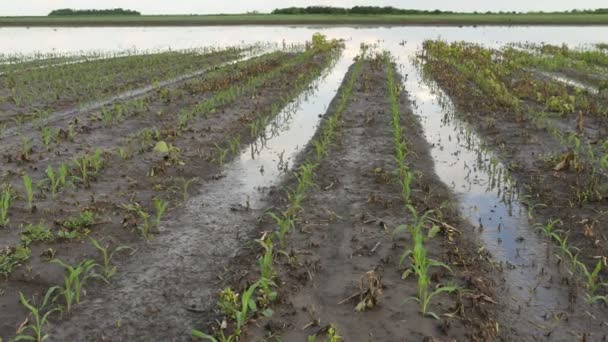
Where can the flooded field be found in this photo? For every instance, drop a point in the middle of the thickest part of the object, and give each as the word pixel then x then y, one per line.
pixel 271 183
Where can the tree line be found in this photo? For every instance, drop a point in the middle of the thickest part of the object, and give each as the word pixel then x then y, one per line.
pixel 70 12
pixel 399 11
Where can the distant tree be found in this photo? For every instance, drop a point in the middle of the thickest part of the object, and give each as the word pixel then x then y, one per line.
pixel 92 12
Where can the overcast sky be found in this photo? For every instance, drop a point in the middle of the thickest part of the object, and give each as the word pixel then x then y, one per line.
pixel 42 7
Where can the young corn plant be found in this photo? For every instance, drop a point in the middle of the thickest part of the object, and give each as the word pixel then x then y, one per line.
pixel 47 137
pixel 421 264
pixel 222 153
pixel 160 207
pixel 285 225
pixel 6 198
pixel 146 225
pixel 267 272
pixel 34 330
pixel 29 191
pixel 108 270
pixel 592 278
pixel 82 167
pixel 74 281
pixel 57 179
pixel 248 305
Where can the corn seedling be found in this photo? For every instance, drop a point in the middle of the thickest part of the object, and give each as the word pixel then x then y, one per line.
pixel 185 186
pixel 6 197
pixel 221 154
pixel 47 137
pixel 285 225
pixel 29 191
pixel 145 225
pixel 160 207
pixel 57 179
pixel 267 272
pixel 235 145
pixel 108 270
pixel 26 148
pixel 421 264
pixel 34 330
pixel 82 166
pixel 74 281
pixel 592 279
pixel 550 231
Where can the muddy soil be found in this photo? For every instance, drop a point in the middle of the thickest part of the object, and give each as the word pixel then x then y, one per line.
pixel 158 266
pixel 345 231
pixel 529 152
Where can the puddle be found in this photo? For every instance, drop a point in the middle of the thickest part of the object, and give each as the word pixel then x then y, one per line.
pixel 262 163
pixel 489 200
pixel 181 266
pixel 569 81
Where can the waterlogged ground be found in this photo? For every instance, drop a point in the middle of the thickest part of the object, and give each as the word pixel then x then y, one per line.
pixel 343 251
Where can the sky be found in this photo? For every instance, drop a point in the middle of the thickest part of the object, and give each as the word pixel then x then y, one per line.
pixel 42 7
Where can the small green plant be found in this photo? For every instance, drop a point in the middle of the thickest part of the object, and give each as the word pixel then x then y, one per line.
pixel 421 264
pixel 13 257
pixel 592 278
pixel 248 304
pixel 160 206
pixel 74 281
pixel 35 233
pixel 145 225
pixel 56 179
pixel 235 144
pixel 549 230
pixel 108 270
pixel 26 149
pixel 47 137
pixel 228 303
pixel 29 191
pixel 6 197
pixel 222 153
pixel 77 227
pixel 267 273
pixel 285 225
pixel 40 317
pixel 185 186
pixel 82 167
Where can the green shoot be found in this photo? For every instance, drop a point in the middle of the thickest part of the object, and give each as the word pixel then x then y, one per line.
pixel 74 281
pixel 6 197
pixel 161 207
pixel 29 191
pixel 40 318
pixel 421 264
pixel 108 270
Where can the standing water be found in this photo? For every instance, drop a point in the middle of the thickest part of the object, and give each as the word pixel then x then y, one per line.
pixel 534 300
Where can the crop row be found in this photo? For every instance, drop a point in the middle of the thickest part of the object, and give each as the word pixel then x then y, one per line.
pixel 506 88
pixel 65 296
pixel 43 90
pixel 257 298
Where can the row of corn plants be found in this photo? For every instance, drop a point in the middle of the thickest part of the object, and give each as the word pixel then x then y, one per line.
pixel 420 263
pixel 257 298
pixel 580 149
